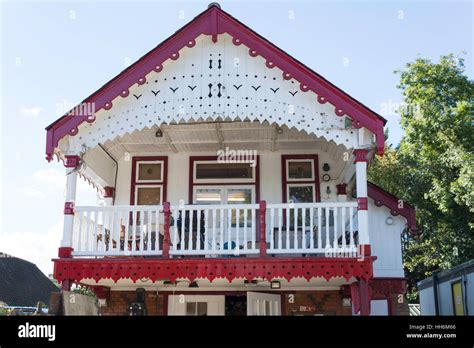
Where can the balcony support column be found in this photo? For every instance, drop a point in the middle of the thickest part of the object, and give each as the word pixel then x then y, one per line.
pixel 362 201
pixel 70 199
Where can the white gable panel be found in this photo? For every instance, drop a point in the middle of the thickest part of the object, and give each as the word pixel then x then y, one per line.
pixel 209 81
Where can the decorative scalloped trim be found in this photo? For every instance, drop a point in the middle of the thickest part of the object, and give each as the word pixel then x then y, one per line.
pixel 192 269
pixel 382 197
pixel 214 21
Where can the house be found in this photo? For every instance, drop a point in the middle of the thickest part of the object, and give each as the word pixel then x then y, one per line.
pixel 22 284
pixel 235 181
pixel 449 292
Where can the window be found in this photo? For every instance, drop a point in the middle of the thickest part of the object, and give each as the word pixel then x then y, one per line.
pixel 298 170
pixel 216 172
pixel 196 308
pixel 301 193
pixel 227 194
pixel 225 171
pixel 213 182
pixel 300 178
pixel 148 180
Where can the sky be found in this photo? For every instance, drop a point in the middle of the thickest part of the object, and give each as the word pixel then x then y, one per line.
pixel 53 54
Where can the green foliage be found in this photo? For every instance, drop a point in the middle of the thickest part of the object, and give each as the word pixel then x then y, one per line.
pixel 5 311
pixel 433 167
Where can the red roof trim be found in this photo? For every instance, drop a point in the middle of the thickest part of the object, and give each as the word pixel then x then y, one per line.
pixel 382 197
pixel 215 21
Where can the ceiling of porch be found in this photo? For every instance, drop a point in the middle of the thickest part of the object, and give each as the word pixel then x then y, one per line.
pixel 213 136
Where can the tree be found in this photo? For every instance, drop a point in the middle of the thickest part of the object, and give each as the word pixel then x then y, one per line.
pixel 433 167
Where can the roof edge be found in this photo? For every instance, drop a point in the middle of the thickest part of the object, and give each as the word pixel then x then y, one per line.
pixel 214 21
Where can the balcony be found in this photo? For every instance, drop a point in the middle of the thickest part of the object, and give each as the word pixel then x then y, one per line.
pixel 328 229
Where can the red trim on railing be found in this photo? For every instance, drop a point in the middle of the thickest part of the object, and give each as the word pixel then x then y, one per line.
pixel 263 235
pixel 65 252
pixel 166 232
pixel 360 155
pixel 227 268
pixel 72 161
pixel 68 208
pixel 362 203
pixel 212 22
pixel 365 250
pixel 341 189
pixel 396 206
pixel 109 191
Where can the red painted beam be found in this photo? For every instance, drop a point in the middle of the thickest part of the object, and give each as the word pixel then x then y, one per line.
pixel 263 227
pixel 166 236
pixel 135 268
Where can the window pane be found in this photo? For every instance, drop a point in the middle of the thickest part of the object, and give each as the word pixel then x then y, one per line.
pixel 190 308
pixel 301 194
pixel 300 170
pixel 240 196
pixel 149 195
pixel 202 308
pixel 149 171
pixel 208 196
pixel 224 171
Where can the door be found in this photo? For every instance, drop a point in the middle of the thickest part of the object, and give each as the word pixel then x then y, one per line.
pixel 196 305
pixel 458 303
pixel 225 223
pixel 260 303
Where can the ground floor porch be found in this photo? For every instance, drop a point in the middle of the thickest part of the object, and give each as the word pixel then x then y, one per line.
pixel 235 286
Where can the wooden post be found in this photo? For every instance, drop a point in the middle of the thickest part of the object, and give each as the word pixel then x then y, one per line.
pixel 364 297
pixel 66 285
pixel 263 235
pixel 166 232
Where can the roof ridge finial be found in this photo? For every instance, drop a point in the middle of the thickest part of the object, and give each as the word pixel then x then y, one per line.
pixel 214 4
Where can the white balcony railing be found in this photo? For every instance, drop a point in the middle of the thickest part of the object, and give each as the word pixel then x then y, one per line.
pixel 325 229
pixel 312 228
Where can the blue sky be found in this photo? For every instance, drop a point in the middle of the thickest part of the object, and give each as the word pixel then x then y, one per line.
pixel 56 53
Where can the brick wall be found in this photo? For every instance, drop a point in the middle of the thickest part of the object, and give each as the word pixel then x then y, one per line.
pixel 315 302
pixel 120 300
pixel 328 302
pixel 399 308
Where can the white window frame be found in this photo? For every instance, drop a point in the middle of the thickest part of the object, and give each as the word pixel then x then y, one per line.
pixel 288 185
pixel 137 186
pixel 137 171
pixel 224 194
pixel 288 179
pixel 225 180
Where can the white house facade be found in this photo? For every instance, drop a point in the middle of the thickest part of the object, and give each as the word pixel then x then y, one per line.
pixel 235 182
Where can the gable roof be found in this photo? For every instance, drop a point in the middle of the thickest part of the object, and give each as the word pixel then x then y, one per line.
pixel 215 21
pixel 22 283
pixel 382 197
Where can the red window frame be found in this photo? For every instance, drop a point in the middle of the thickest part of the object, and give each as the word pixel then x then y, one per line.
pixel 315 181
pixel 193 159
pixel 134 176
